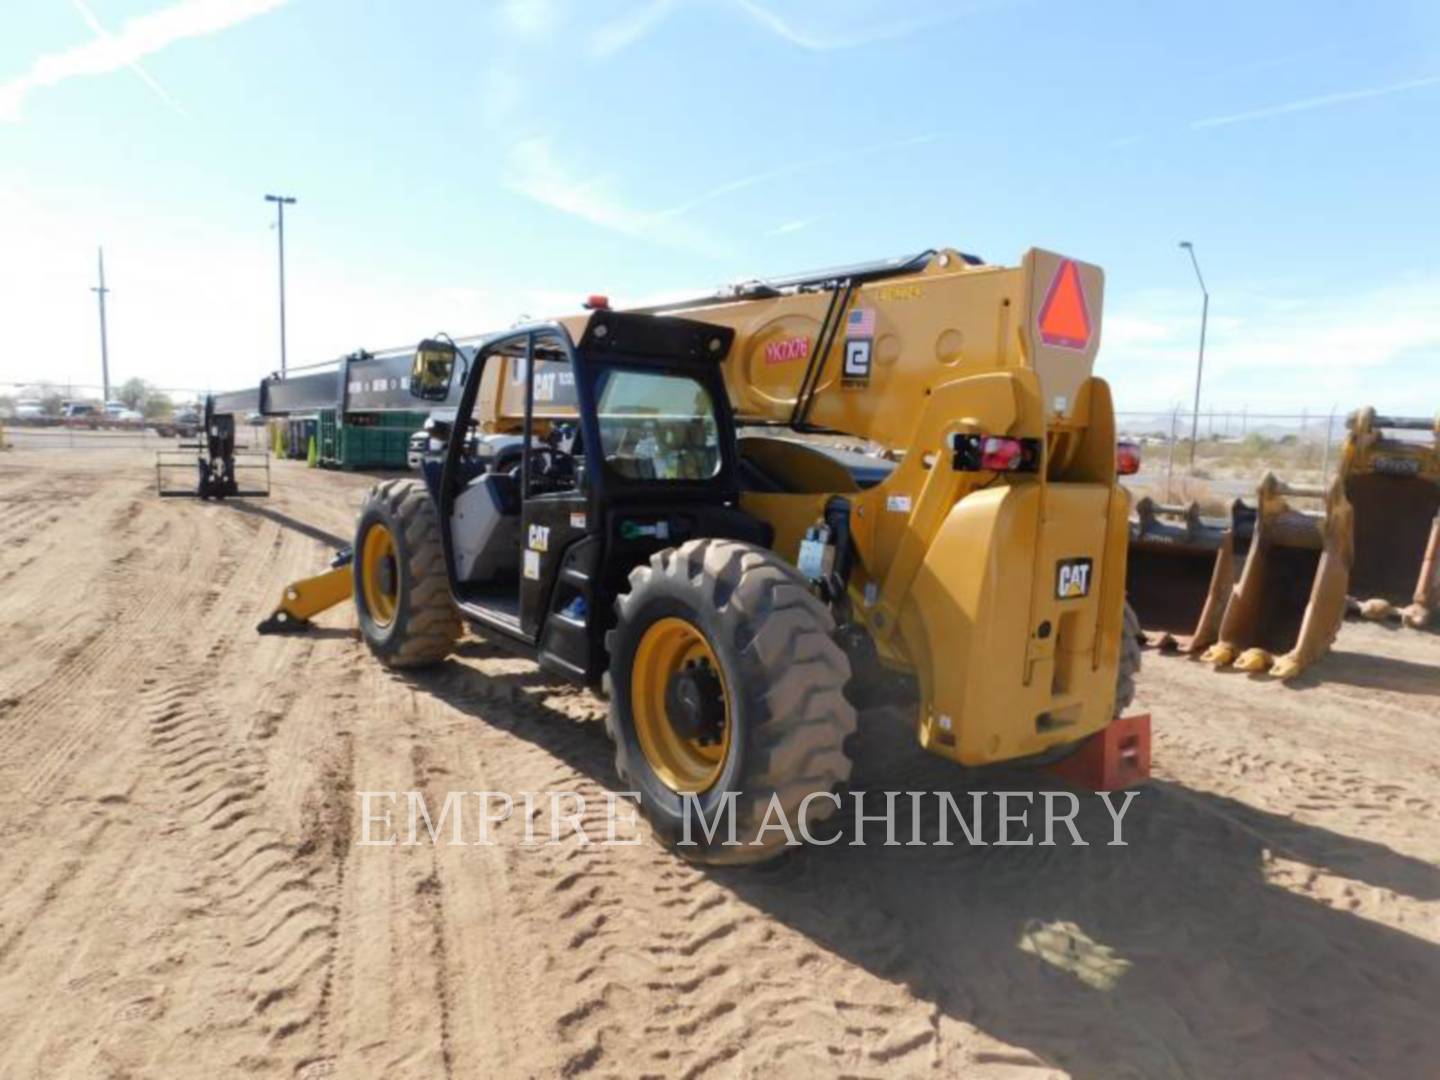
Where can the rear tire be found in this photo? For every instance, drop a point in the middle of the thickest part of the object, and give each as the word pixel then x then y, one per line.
pixel 1131 638
pixel 783 680
pixel 406 615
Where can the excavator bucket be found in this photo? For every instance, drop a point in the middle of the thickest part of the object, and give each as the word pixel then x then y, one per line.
pixel 1390 468
pixel 1424 608
pixel 1291 597
pixel 1182 569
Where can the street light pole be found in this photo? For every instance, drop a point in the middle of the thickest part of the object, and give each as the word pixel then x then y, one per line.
pixel 100 291
pixel 281 201
pixel 1199 363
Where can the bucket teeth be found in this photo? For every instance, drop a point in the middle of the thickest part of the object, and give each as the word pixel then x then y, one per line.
pixel 1376 609
pixel 1221 655
pixel 1287 667
pixel 1416 616
pixel 1254 661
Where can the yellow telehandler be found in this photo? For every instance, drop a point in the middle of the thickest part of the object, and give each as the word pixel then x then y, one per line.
pixel 599 507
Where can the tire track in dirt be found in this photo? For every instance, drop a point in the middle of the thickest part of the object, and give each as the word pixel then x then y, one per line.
pixel 94 576
pixel 703 997
pixel 431 894
pixel 279 896
pixel 154 602
pixel 154 606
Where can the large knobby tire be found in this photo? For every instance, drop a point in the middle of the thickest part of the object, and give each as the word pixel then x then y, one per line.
pixel 1131 640
pixel 406 614
pixel 782 679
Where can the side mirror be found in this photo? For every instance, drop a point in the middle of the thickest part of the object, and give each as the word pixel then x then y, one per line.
pixel 432 370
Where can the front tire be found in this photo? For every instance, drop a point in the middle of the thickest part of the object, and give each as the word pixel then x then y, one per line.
pixel 402 593
pixel 726 683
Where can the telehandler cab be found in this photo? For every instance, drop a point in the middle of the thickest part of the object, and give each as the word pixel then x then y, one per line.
pixel 735 593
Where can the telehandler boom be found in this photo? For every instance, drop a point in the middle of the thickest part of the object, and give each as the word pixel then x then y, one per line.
pixel 737 592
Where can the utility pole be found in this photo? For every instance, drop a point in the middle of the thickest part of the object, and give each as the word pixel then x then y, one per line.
pixel 1200 363
pixel 281 201
pixel 100 290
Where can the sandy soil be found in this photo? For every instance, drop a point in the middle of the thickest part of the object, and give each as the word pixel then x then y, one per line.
pixel 181 893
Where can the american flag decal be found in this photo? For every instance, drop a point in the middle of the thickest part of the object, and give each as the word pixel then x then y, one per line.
pixel 860 323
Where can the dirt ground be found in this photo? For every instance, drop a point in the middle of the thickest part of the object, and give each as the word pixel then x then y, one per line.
pixel 181 892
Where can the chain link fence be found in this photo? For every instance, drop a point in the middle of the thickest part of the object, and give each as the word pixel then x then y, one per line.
pixel 1222 453
pixel 26 436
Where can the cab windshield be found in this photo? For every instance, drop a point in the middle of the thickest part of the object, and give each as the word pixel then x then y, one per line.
pixel 657 426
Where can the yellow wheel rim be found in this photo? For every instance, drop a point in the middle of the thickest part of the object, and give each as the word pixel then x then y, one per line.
pixel 668 647
pixel 379 574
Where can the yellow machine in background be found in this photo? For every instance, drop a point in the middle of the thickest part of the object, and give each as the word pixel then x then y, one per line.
pixel 1393 483
pixel 1371 551
pixel 1424 608
pixel 1290 599
pixel 1182 571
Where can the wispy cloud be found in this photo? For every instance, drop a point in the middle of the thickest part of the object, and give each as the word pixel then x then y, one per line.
pixel 1324 101
pixel 791 226
pixel 888 28
pixel 138 37
pixel 530 18
pixel 794 168
pixel 616 36
pixel 535 171
pixel 1277 347
pixel 144 76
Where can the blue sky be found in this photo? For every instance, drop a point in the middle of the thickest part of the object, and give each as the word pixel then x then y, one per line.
pixel 459 165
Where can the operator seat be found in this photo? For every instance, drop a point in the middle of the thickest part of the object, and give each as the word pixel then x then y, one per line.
pixel 486 528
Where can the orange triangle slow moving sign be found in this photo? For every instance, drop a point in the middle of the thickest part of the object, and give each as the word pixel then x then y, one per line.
pixel 1064 318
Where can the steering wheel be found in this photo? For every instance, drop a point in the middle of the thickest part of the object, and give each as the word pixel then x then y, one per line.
pixel 556 460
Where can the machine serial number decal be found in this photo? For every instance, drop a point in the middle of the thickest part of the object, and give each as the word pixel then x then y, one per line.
pixel 1395 466
pixel 1072 578
pixel 899 292
pixel 532 565
pixel 787 350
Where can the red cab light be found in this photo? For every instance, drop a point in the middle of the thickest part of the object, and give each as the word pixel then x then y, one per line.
pixel 1000 455
pixel 597 302
pixel 993 453
pixel 1127 458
